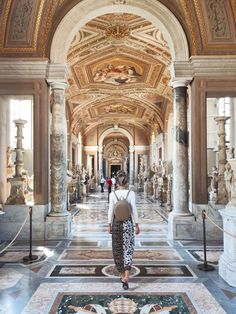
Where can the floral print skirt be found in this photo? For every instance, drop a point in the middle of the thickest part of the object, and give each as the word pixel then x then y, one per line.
pixel 123 244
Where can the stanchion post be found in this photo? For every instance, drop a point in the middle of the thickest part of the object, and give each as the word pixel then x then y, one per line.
pixel 204 266
pixel 31 257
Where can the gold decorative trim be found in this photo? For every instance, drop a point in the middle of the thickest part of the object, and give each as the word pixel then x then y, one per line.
pixel 36 33
pixel 233 4
pixel 52 10
pixel 4 23
pixel 190 25
pixel 201 22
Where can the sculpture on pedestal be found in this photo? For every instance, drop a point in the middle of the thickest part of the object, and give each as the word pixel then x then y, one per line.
pixel 228 177
pixel 221 192
pixel 214 184
pixel 18 181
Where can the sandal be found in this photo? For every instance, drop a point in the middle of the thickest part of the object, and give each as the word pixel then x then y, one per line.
pixel 125 285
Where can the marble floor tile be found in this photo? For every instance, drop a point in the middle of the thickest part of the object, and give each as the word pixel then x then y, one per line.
pixel 162 268
pixel 212 256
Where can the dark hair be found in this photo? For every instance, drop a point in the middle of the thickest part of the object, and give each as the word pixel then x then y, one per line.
pixel 122 178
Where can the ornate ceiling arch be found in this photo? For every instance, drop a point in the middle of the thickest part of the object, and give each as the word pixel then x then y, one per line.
pixel 87 10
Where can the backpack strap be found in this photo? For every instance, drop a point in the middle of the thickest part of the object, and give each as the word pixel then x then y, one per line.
pixel 127 195
pixel 116 196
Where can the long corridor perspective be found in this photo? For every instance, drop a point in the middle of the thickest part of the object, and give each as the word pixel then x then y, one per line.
pixel 78 275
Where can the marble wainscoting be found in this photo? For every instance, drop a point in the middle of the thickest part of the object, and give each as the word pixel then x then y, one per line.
pixel 73 297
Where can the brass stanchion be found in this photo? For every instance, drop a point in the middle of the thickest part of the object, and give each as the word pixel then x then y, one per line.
pixel 205 266
pixel 30 257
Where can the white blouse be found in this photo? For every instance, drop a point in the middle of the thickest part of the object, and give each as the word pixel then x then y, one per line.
pixel 131 199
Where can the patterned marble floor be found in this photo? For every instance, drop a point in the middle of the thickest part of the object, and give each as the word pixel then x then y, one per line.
pixel 78 276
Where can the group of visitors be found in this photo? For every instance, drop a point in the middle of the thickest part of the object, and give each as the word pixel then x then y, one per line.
pixel 109 183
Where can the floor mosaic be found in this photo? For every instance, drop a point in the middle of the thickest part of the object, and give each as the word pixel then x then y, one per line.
pixel 96 254
pixel 142 298
pixel 146 271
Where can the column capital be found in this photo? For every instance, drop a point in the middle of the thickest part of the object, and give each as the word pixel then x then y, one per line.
pixel 100 149
pixel 58 85
pixel 131 149
pixel 57 74
pixel 183 82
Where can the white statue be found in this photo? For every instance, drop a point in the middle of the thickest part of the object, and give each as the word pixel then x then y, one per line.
pixel 9 157
pixel 228 177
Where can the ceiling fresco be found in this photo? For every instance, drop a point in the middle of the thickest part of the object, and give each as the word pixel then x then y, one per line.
pixel 118 62
pixel 118 71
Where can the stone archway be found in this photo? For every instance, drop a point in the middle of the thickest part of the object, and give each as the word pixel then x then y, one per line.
pixel 173 33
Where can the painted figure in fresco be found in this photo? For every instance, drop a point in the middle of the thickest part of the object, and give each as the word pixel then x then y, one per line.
pixel 123 230
pixel 116 75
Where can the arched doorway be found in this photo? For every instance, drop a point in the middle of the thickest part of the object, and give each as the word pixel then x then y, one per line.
pixel 118 67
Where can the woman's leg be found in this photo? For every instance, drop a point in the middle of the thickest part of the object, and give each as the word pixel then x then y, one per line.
pixel 126 275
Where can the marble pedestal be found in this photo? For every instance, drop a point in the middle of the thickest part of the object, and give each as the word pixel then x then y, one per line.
pixel 181 226
pixel 58 227
pixel 227 262
pixel 14 217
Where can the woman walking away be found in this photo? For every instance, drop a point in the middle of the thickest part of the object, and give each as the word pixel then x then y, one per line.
pixel 122 217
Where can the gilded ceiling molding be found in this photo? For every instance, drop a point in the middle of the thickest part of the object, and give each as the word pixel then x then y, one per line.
pixel 4 24
pixel 189 22
pixel 36 30
pixel 48 24
pixel 233 4
pixel 200 21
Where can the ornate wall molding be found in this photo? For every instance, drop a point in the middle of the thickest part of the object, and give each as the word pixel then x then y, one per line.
pixel 216 23
pixel 23 69
pixel 21 24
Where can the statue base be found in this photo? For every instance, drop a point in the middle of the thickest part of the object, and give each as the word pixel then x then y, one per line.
pixel 58 227
pixel 181 226
pixel 227 262
pixel 17 191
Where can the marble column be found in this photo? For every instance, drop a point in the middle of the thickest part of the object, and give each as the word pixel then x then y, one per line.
pixel 180 219
pixel 131 165
pixel 4 104
pixel 221 191
pixel 69 149
pixel 59 220
pixel 100 170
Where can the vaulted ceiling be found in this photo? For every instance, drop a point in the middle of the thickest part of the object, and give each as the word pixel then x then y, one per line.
pixel 118 63
pixel 118 73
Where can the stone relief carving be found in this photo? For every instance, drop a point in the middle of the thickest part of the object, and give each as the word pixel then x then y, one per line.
pixel 118 109
pixel 218 18
pixel 22 20
pixel 58 154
